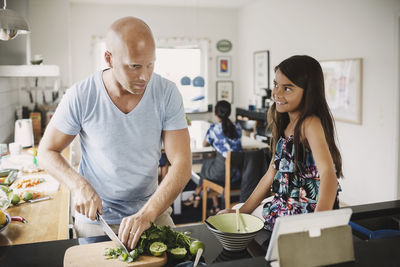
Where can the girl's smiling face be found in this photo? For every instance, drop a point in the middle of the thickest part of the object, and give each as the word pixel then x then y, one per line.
pixel 286 94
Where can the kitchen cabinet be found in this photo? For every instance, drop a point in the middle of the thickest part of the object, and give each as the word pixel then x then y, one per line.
pixel 259 116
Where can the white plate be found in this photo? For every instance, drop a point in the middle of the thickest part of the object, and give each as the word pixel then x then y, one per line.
pixel 48 187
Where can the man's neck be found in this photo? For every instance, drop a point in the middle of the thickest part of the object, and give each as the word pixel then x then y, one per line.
pixel 124 100
pixel 112 86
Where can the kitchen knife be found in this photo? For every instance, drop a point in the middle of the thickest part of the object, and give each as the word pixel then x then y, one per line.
pixel 39 199
pixel 107 229
pixel 35 200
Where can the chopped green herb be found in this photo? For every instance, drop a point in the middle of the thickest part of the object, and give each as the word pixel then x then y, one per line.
pixel 164 234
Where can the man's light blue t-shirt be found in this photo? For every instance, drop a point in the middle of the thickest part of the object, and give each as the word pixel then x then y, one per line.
pixel 120 152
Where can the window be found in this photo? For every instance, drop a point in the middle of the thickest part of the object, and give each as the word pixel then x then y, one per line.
pixel 176 63
pixel 175 59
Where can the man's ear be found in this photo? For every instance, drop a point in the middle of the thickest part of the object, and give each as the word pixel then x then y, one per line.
pixel 107 57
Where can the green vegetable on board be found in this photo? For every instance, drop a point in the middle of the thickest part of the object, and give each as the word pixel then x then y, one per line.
pixel 195 246
pixel 27 196
pixel 15 199
pixel 157 248
pixel 178 253
pixel 155 241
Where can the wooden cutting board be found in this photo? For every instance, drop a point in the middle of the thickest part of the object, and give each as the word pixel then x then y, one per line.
pixel 93 255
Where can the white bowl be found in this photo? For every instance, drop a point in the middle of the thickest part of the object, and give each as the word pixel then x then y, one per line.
pixel 223 226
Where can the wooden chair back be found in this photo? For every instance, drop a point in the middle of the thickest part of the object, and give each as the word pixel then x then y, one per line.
pixel 225 190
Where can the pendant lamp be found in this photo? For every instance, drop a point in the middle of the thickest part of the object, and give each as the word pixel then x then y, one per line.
pixel 11 24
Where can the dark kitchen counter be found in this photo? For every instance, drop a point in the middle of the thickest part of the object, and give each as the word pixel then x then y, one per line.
pixel 378 252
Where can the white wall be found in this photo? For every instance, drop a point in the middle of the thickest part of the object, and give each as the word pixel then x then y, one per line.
pixel 9 99
pixel 50 35
pixel 88 20
pixel 335 29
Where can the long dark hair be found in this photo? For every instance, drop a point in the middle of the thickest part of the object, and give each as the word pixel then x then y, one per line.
pixel 223 110
pixel 306 72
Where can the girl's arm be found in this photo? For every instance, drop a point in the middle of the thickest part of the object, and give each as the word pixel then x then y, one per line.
pixel 205 143
pixel 315 136
pixel 259 193
pixel 207 138
pixel 261 190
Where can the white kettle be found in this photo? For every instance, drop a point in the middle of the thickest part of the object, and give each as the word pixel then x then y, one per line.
pixel 23 133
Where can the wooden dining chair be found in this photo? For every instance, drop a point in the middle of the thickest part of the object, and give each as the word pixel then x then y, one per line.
pixel 251 173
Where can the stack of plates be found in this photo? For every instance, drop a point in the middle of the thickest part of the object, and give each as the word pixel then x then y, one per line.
pixel 224 227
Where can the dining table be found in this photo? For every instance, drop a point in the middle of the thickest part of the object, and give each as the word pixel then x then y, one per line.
pixel 197 132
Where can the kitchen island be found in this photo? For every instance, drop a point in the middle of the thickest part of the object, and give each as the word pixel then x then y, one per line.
pixel 378 252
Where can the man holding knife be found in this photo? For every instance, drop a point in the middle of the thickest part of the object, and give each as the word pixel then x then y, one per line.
pixel 122 114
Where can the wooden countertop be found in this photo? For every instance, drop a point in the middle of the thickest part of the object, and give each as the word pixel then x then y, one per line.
pixel 47 220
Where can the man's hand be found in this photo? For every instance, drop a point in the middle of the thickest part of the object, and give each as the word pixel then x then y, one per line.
pixel 132 227
pixel 177 148
pixel 87 202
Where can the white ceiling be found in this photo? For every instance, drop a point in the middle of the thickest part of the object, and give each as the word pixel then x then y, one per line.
pixel 180 3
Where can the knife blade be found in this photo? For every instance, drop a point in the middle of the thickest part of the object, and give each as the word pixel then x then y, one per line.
pixel 39 199
pixel 35 200
pixel 107 229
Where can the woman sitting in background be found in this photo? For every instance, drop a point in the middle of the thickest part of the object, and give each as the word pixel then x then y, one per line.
pixel 223 136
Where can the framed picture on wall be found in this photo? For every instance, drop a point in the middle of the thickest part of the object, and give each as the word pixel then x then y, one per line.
pixel 343 82
pixel 225 91
pixel 224 66
pixel 261 72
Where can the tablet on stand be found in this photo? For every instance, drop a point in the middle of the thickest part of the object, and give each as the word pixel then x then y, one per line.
pixel 311 239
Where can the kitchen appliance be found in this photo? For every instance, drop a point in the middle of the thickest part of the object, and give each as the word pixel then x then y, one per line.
pixel 23 133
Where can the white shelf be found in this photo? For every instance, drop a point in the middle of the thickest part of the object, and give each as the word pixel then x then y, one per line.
pixel 29 71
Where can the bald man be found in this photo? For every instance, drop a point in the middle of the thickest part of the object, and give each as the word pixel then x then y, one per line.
pixel 122 115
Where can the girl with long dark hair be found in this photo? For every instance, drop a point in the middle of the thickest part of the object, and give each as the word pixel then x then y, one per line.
pixel 304 172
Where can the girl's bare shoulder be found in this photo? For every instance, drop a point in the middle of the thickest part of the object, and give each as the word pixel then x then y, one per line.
pixel 311 121
pixel 311 125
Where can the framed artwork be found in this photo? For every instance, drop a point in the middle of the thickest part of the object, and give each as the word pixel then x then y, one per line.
pixel 261 72
pixel 343 82
pixel 225 91
pixel 224 66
